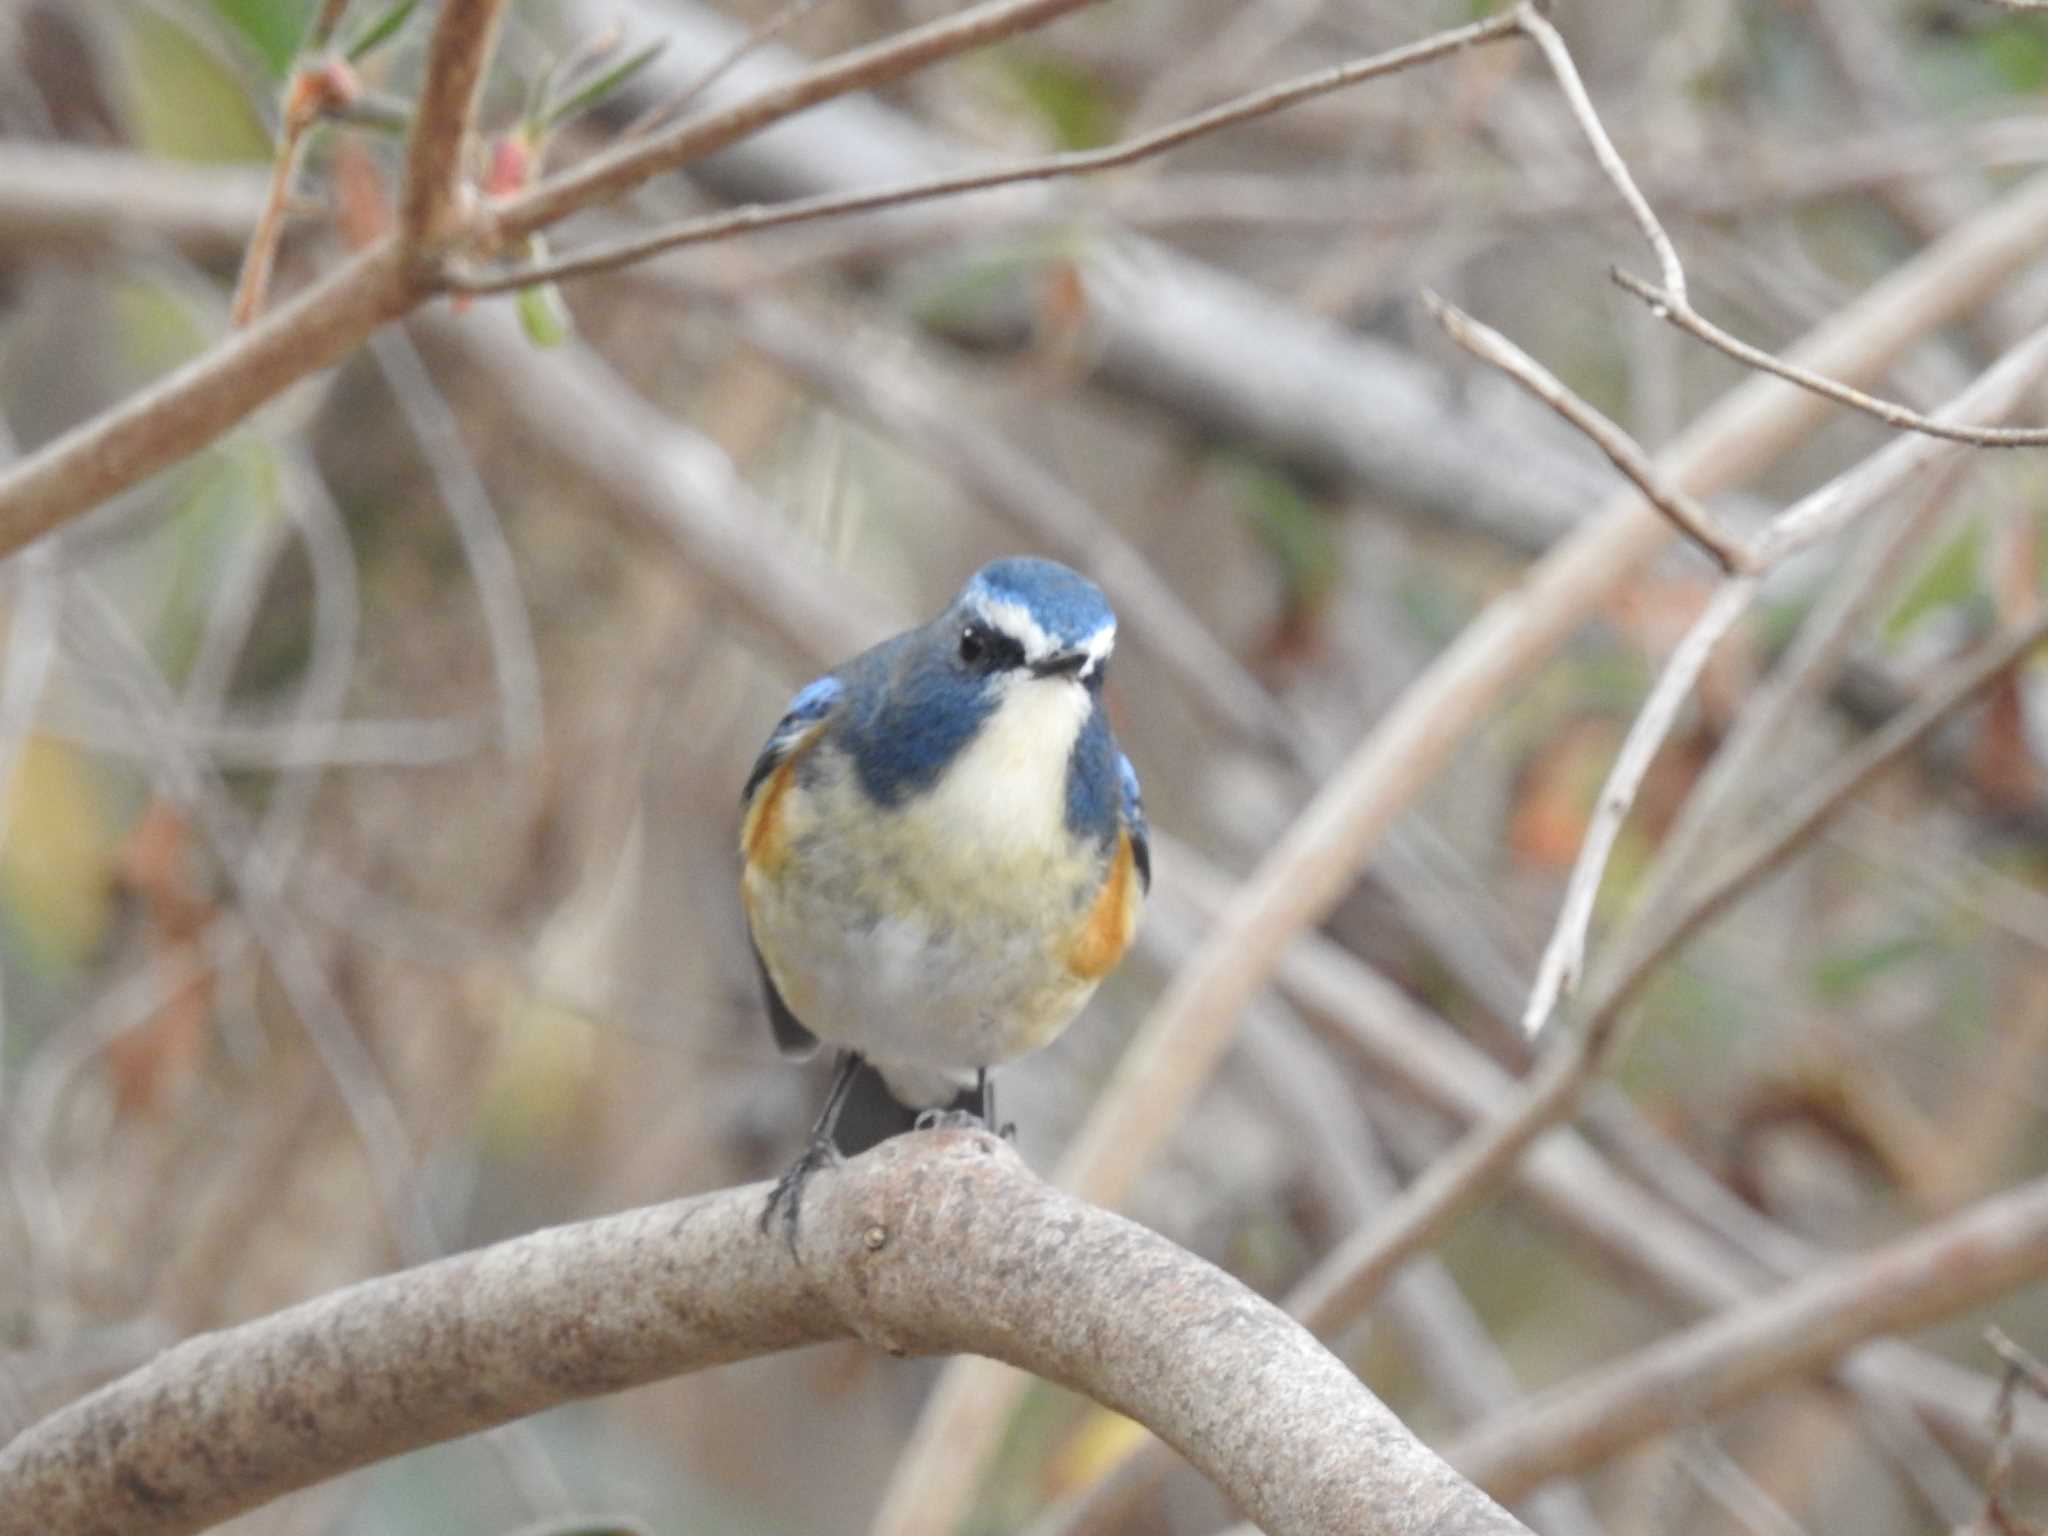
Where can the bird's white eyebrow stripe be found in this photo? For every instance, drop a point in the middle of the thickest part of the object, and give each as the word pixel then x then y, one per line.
pixel 1015 620
pixel 1098 646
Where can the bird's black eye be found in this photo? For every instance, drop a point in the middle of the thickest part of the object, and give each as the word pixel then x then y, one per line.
pixel 973 644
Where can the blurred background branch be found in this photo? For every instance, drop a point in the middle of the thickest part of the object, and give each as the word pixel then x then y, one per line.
pixel 422 693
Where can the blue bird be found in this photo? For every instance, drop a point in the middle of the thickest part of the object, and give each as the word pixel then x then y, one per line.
pixel 943 851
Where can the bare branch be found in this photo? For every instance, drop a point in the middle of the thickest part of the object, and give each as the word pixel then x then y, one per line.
pixel 625 166
pixel 930 1243
pixel 1932 1273
pixel 1345 1282
pixel 1627 455
pixel 1564 956
pixel 514 659
pixel 1532 23
pixel 63 192
pixel 766 31
pixel 317 85
pixel 190 407
pixel 757 217
pixel 1674 307
pixel 432 207
pixel 1176 1049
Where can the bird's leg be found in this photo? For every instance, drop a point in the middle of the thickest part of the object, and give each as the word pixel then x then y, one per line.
pixel 820 1152
pixel 985 1092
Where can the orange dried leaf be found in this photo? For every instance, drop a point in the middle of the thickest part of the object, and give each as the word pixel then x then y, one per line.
pixel 362 207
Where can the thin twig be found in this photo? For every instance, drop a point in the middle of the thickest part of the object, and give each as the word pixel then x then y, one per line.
pixel 515 662
pixel 624 166
pixel 1626 454
pixel 1674 1252
pixel 1302 876
pixel 1345 1282
pixel 433 206
pixel 766 31
pixel 1934 1272
pixel 756 217
pixel 317 84
pixel 1557 974
pixel 1533 24
pixel 1759 730
pixel 1675 308
pixel 260 891
pixel 2021 1368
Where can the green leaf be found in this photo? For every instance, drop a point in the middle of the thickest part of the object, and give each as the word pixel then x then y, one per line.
pixel 543 315
pixel 379 30
pixel 1071 100
pixel 185 103
pixel 271 28
pixel 2017 55
pixel 586 96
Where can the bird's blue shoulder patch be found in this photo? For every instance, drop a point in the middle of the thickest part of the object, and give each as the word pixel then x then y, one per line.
pixel 1093 795
pixel 1134 820
pixel 911 712
pixel 812 703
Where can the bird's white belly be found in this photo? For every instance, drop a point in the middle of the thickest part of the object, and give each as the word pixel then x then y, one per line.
pixel 939 934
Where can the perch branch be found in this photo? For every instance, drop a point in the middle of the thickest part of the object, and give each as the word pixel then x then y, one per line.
pixel 930 1243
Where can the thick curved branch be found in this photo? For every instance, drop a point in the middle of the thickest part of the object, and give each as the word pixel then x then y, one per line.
pixel 931 1243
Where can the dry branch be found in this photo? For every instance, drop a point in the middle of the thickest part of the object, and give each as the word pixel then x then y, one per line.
pixel 1994 1247
pixel 624 166
pixel 1174 1051
pixel 930 1243
pixel 1673 306
pixel 757 217
pixel 189 408
pixel 432 209
pixel 62 192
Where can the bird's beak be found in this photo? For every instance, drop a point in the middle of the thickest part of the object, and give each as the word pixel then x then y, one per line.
pixel 1062 664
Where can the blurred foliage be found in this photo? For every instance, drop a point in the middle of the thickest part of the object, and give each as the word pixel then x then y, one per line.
pixel 58 861
pixel 271 29
pixel 1074 105
pixel 427 887
pixel 185 102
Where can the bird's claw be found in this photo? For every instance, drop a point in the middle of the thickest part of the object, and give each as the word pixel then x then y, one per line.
pixel 963 1120
pixel 950 1120
pixel 788 1193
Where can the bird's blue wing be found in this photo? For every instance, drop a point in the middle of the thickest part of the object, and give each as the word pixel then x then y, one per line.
pixel 1134 820
pixel 813 702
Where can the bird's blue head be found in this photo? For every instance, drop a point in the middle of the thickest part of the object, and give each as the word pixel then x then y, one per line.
pixel 1024 646
pixel 1035 615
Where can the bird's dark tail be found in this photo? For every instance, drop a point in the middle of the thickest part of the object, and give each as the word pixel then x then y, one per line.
pixel 873 1114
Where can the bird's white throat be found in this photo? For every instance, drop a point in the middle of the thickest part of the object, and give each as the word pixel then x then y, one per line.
pixel 1009 786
